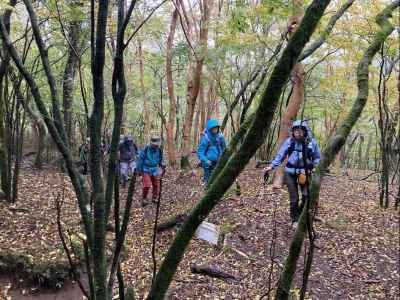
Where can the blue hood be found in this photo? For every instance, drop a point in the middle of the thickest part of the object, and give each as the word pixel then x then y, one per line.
pixel 301 123
pixel 212 123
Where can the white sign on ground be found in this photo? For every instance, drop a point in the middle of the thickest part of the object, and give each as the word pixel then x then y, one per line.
pixel 208 232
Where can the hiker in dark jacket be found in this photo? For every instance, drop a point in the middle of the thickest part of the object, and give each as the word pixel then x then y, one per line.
pixel 295 169
pixel 151 165
pixel 127 158
pixel 212 145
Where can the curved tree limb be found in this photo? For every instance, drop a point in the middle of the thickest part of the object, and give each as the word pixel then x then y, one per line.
pixel 333 147
pixel 77 180
pixel 253 139
pixel 328 29
pixel 58 122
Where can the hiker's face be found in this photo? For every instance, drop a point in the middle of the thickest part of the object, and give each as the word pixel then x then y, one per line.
pixel 298 133
pixel 214 130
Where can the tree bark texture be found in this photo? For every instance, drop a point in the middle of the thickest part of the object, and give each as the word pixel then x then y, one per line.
pixel 196 61
pixel 333 147
pixel 170 127
pixel 230 167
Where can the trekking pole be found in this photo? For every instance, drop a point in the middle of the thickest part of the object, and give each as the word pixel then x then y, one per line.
pixel 153 248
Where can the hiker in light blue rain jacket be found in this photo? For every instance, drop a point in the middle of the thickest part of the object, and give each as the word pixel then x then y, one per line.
pixel 212 145
pixel 296 166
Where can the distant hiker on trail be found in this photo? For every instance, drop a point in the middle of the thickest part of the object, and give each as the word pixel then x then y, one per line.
pixel 211 147
pixel 151 165
pixel 127 154
pixel 295 170
pixel 84 155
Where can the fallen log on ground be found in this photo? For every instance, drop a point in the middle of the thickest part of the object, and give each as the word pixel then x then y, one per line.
pixel 210 271
pixel 171 222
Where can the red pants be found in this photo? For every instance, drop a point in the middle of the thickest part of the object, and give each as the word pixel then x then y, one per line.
pixel 149 181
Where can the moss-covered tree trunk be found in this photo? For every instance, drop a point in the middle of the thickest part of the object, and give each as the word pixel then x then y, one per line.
pixel 4 174
pixel 230 167
pixel 70 74
pixel 5 181
pixel 334 145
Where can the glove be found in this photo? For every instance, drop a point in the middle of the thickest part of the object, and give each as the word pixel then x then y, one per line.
pixel 266 173
pixel 268 169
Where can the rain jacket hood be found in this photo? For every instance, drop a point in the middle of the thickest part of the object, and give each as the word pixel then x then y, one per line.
pixel 211 124
pixel 304 126
pixel 211 145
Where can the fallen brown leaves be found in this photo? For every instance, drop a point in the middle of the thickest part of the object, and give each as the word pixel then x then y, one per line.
pixel 356 258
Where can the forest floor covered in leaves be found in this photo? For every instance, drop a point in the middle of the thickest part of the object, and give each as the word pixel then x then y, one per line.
pixel 357 253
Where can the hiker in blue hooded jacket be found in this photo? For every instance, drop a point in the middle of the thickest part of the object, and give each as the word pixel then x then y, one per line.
pixel 296 166
pixel 212 145
pixel 152 167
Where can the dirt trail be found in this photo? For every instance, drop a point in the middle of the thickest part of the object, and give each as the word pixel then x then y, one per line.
pixel 70 291
pixel 357 254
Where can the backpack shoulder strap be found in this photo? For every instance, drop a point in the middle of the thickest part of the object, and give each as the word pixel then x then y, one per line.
pixel 205 135
pixel 207 138
pixel 291 147
pixel 161 156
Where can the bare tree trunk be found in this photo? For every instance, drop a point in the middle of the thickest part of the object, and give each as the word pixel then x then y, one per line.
pixel 170 127
pixel 19 139
pixel 193 86
pixel 360 161
pixel 367 153
pixel 197 118
pixel 333 146
pixel 146 112
pixel 237 156
pixel 292 109
pixel 203 110
pixel 35 119
pixel 211 102
pixel 297 97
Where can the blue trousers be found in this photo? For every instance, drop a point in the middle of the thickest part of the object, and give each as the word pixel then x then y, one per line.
pixel 208 171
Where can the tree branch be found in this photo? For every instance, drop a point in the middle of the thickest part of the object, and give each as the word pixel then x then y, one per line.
pixel 333 147
pixel 221 181
pixel 328 29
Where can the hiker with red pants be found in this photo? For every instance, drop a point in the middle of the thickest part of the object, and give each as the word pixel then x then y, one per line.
pixel 296 167
pixel 151 165
pixel 212 145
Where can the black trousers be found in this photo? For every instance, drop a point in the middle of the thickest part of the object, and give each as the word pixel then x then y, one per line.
pixel 293 189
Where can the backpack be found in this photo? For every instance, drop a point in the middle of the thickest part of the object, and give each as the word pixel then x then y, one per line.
pixel 218 138
pixel 126 147
pixel 309 153
pixel 146 152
